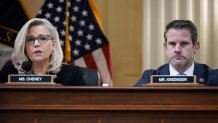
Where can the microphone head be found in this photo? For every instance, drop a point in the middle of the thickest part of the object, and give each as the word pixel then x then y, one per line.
pixel 26 65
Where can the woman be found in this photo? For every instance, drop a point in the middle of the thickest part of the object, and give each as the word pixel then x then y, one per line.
pixel 37 50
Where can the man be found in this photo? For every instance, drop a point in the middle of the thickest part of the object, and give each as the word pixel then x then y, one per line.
pixel 180 46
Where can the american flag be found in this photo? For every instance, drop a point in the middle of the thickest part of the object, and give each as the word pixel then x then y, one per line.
pixel 80 30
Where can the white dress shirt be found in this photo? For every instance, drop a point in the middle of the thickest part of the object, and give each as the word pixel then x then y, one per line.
pixel 188 72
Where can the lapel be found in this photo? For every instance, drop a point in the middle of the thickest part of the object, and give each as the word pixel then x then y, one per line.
pixel 201 71
pixel 163 70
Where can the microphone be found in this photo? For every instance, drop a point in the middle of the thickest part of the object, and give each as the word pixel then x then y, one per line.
pixel 26 66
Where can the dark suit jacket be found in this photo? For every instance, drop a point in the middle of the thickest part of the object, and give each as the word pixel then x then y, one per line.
pixel 69 75
pixel 200 70
pixel 213 78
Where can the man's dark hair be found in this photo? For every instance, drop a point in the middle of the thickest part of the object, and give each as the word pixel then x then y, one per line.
pixel 183 24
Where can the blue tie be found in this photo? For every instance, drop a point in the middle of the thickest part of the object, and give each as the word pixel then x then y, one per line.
pixel 181 74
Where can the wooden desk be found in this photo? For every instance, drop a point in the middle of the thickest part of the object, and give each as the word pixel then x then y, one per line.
pixel 57 104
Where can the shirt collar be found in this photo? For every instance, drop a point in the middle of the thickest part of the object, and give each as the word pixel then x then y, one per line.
pixel 189 71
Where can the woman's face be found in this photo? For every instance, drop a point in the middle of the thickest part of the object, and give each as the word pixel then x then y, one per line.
pixel 39 44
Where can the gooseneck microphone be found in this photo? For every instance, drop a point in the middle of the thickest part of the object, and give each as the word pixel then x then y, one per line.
pixel 26 67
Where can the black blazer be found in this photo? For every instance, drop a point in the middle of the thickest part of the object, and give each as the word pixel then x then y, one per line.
pixel 213 78
pixel 69 75
pixel 200 70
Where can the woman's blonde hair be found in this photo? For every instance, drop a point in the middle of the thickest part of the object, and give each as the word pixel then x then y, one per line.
pixel 19 55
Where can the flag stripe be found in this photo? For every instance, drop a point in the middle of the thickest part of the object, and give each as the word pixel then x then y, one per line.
pixel 106 51
pixel 80 62
pixel 90 63
pixel 101 63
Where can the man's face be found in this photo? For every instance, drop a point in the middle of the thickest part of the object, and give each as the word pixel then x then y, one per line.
pixel 179 48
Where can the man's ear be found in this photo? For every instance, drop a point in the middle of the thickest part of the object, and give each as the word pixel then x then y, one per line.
pixel 196 47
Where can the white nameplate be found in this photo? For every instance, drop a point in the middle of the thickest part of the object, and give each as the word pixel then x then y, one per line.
pixel 30 79
pixel 173 79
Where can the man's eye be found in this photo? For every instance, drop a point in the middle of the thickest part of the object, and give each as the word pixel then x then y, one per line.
pixel 184 43
pixel 172 44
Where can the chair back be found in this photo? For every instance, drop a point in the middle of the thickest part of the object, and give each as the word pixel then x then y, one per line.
pixel 91 76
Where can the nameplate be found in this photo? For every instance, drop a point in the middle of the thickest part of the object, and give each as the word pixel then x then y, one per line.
pixel 30 79
pixel 173 79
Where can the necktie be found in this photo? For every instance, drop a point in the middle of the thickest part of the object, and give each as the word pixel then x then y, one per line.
pixel 181 74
